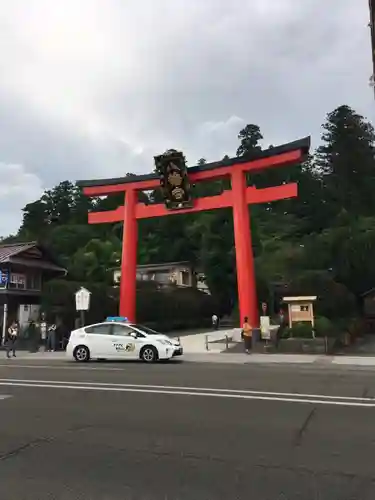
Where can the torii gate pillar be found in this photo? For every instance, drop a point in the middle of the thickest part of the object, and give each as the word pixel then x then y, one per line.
pixel 128 279
pixel 246 283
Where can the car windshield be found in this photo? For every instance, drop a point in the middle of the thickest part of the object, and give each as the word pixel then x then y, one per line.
pixel 146 330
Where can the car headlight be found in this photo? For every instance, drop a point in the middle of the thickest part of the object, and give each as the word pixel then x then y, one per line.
pixel 165 342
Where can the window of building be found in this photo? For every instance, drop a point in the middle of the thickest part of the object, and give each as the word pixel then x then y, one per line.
pixel 17 281
pixel 185 278
pixel 162 277
pixel 33 281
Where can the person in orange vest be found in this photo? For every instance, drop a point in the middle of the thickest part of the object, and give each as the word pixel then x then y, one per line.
pixel 247 332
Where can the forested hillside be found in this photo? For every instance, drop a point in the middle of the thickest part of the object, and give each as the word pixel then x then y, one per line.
pixel 321 242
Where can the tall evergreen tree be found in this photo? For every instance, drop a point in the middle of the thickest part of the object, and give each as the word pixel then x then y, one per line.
pixel 346 162
pixel 249 137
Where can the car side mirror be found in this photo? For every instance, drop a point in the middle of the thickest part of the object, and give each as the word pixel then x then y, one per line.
pixel 134 335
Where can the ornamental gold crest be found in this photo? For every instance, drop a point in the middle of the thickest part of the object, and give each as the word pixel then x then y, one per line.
pixel 174 180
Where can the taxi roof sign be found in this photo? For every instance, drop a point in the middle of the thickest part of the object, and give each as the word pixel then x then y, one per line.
pixel 118 319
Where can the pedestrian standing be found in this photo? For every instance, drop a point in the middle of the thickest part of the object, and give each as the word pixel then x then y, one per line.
pixel 51 338
pixel 247 333
pixel 43 334
pixel 215 322
pixel 11 344
pixel 32 334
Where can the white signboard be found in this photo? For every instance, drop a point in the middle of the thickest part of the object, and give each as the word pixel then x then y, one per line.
pixel 265 330
pixel 83 299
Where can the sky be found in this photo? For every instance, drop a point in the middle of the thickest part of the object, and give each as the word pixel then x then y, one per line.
pixel 96 88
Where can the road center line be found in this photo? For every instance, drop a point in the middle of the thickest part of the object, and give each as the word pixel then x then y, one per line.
pixel 169 388
pixel 228 395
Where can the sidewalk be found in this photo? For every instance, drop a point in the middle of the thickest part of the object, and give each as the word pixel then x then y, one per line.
pixel 211 341
pixel 244 359
pixel 215 357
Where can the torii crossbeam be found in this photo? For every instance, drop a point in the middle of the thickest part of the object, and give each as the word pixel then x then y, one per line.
pixel 239 198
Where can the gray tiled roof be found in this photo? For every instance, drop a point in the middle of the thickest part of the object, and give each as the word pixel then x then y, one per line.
pixel 10 250
pixel 13 253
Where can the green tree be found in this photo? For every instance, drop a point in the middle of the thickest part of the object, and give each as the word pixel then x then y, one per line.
pixel 322 241
pixel 345 162
pixel 249 137
pixel 96 261
pixel 64 204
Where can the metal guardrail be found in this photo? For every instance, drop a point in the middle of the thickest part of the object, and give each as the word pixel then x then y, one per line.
pixel 226 340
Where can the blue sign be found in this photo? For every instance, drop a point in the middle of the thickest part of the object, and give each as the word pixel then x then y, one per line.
pixel 117 319
pixel 4 278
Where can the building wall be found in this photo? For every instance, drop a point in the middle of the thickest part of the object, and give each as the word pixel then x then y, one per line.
pixel 20 279
pixel 178 275
pixel 28 312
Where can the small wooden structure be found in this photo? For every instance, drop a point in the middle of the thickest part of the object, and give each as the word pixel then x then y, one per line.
pixel 24 268
pixel 300 309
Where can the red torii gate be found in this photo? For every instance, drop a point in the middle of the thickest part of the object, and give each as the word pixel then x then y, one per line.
pixel 239 197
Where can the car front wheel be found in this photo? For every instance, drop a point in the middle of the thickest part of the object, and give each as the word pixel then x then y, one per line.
pixel 81 354
pixel 149 354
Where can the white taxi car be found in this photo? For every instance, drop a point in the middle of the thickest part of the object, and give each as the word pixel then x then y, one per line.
pixel 116 339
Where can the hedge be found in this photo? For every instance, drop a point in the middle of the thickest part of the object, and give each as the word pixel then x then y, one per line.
pixel 170 308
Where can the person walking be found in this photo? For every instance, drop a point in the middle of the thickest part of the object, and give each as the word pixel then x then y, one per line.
pixel 247 332
pixel 11 344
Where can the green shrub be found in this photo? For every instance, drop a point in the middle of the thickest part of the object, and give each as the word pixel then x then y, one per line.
pixel 334 300
pixel 286 333
pixel 175 308
pixel 165 309
pixel 324 327
pixel 301 330
pixel 356 327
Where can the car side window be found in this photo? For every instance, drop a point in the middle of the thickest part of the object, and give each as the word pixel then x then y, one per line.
pixel 98 329
pixel 122 330
pixel 138 334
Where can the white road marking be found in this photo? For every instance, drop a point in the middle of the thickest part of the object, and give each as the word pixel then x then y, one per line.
pixel 190 389
pixel 181 391
pixel 358 361
pixel 60 367
pixel 4 396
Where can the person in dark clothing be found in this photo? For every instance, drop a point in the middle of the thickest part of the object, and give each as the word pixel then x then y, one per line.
pixel 32 335
pixel 13 332
pixel 51 338
pixel 282 324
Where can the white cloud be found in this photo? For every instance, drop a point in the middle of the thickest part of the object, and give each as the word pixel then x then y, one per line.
pixel 96 88
pixel 224 126
pixel 17 188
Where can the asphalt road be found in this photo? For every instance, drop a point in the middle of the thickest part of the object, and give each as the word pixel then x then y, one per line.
pixel 185 432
